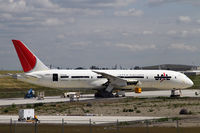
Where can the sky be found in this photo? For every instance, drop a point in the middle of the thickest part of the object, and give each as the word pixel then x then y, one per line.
pixel 82 33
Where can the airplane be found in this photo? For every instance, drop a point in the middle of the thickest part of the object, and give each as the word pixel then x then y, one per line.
pixel 104 81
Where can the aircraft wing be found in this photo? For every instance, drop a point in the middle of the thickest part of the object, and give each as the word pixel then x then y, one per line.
pixel 113 80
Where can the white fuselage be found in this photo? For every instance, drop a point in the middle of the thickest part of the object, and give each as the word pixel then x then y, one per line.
pixel 161 79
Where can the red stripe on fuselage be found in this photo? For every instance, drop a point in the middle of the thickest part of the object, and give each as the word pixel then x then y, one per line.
pixel 27 59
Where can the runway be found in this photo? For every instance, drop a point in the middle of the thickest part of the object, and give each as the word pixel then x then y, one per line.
pixel 164 93
pixel 79 119
pixel 22 101
pixel 54 99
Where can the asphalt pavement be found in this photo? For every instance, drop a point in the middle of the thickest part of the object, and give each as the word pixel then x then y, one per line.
pixel 78 119
pixel 54 99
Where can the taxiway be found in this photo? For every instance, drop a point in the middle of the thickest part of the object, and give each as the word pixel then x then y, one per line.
pixel 54 99
pixel 79 119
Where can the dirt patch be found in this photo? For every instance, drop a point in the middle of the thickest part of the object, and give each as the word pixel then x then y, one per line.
pixel 168 107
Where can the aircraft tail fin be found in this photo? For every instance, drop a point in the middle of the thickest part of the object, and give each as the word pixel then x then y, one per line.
pixel 28 60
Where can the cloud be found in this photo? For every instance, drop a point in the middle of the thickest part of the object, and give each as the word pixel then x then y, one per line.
pixel 5 16
pixel 182 46
pixel 195 31
pixel 70 20
pixel 198 21
pixel 57 22
pixel 119 28
pixel 40 13
pixel 136 47
pixel 81 43
pixel 90 12
pixel 96 3
pixel 184 19
pixel 147 32
pixel 13 6
pixel 184 33
pixel 130 12
pixel 43 4
pixel 52 22
pixel 61 36
pixel 160 2
pixel 26 18
pixel 172 32
pixel 115 3
pixel 19 6
pixel 1 25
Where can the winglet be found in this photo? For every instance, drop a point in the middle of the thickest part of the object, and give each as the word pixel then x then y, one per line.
pixel 28 60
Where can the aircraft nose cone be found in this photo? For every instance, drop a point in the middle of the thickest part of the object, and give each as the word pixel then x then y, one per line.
pixel 189 83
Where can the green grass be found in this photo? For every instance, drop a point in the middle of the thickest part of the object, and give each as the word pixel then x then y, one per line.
pixel 196 80
pixel 12 72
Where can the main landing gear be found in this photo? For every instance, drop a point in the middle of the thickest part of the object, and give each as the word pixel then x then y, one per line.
pixel 103 94
pixel 107 92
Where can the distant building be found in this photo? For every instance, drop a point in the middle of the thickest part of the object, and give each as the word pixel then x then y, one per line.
pixel 174 67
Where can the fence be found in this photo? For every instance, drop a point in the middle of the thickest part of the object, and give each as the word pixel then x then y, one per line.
pixel 66 126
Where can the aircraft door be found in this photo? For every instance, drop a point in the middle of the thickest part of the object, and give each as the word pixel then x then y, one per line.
pixel 55 77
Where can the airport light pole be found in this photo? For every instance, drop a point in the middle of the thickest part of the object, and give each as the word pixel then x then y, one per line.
pixel 10 125
pixel 90 122
pixel 62 125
